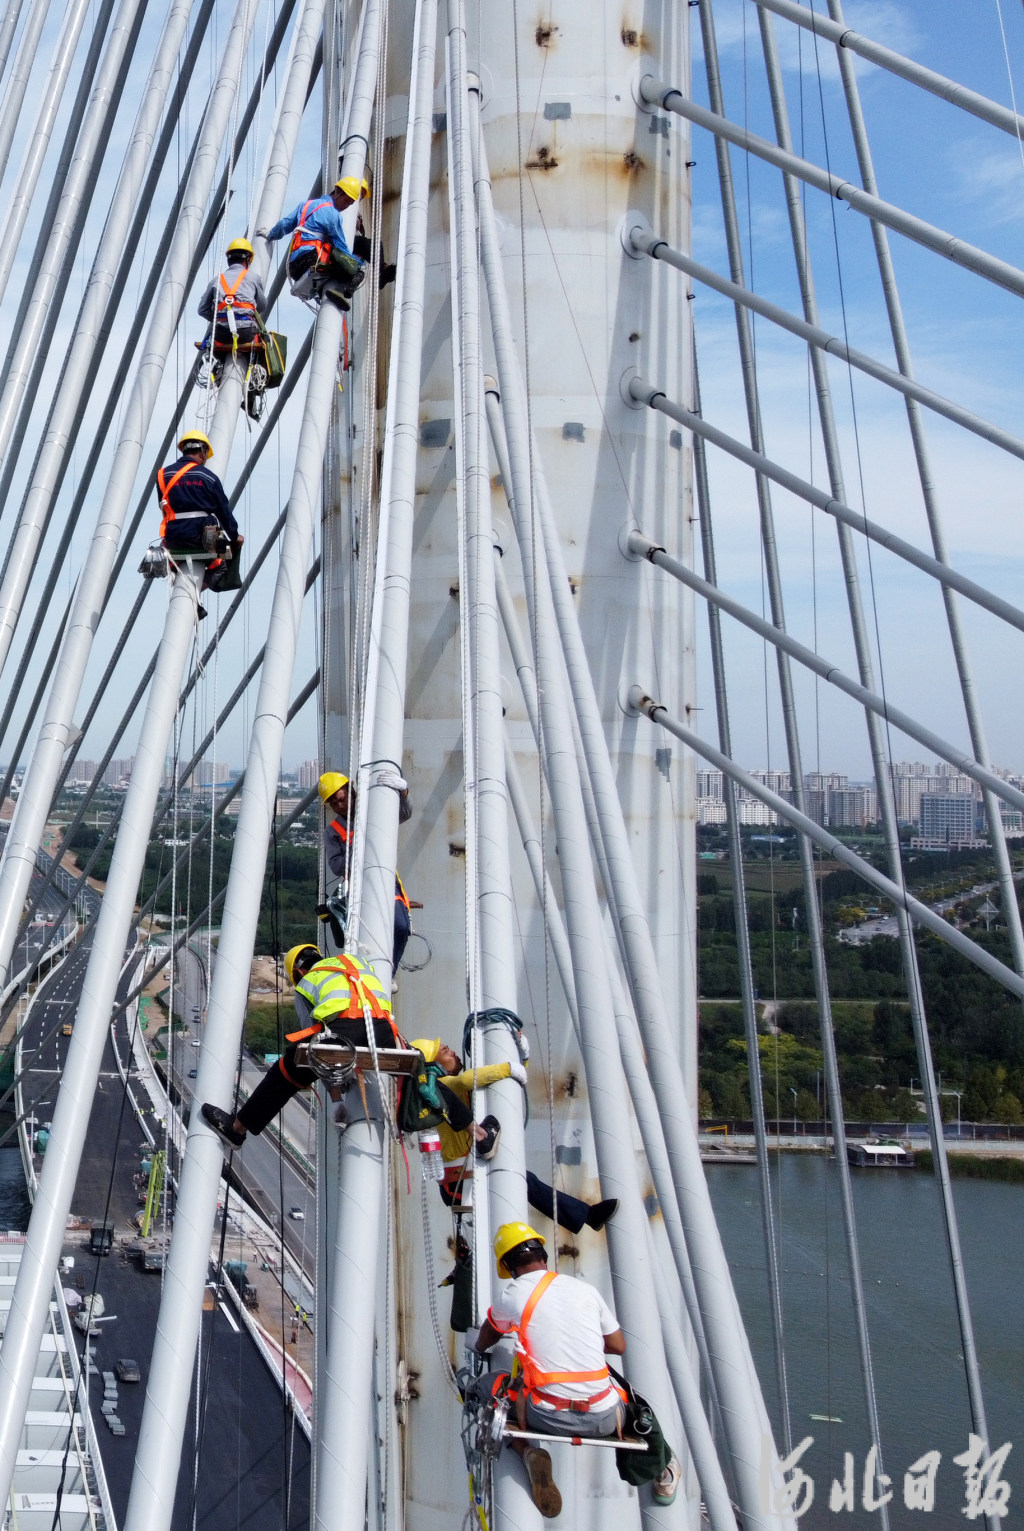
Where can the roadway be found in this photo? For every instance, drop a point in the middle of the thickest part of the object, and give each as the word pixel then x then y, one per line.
pixel 271 1180
pixel 247 1445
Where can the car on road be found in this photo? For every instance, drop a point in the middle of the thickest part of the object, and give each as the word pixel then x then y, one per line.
pixel 192 1073
pixel 67 1028
pixel 128 1370
pixel 296 1214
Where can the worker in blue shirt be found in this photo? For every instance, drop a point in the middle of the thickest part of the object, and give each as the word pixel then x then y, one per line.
pixel 319 242
pixel 195 509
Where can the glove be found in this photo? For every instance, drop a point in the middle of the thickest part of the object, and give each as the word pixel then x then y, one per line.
pixel 517 1072
pixel 387 275
pixel 262 233
pixel 523 1046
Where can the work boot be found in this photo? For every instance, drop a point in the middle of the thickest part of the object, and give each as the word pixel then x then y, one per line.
pixel 601 1212
pixel 223 1124
pixel 487 1147
pixel 542 1484
pixel 666 1484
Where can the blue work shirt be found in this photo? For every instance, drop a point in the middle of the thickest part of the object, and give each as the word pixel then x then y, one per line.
pixel 323 221
pixel 199 490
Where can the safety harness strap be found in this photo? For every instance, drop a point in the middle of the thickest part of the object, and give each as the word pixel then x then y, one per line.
pixel 165 489
pixel 534 1380
pixel 302 237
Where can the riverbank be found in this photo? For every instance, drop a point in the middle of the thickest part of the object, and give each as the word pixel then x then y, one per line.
pixel 998 1160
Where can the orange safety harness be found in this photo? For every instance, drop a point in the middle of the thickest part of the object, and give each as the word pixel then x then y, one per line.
pixel 228 307
pixel 360 1000
pixel 165 490
pixel 535 1381
pixel 301 239
pixel 229 303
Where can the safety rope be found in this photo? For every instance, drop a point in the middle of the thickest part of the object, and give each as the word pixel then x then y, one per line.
pixel 435 1322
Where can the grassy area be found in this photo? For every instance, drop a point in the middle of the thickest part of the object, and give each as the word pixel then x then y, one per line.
pixel 266 1024
pixel 976 1166
pixel 764 876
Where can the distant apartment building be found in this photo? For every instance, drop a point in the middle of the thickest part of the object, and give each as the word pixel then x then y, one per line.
pixel 118 772
pixel 852 807
pixel 309 775
pixel 207 773
pixel 81 773
pixel 948 821
pixel 709 783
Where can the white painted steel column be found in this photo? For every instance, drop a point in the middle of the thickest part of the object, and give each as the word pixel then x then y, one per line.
pixel 268 204
pixel 48 1224
pixel 736 1380
pixel 167 1391
pixel 27 536
pixel 17 210
pixel 495 916
pixel 30 815
pixel 18 83
pixel 8 27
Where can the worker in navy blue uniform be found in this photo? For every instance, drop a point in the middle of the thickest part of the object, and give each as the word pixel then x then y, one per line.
pixel 194 505
pixel 318 240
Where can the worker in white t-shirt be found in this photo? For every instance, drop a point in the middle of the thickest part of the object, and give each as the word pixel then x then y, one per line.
pixel 563 1328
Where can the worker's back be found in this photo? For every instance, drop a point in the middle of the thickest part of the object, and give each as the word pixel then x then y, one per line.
pixel 565 1332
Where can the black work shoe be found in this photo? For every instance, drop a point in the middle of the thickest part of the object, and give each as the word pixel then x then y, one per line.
pixel 601 1212
pixel 223 1124
pixel 487 1147
pixel 200 613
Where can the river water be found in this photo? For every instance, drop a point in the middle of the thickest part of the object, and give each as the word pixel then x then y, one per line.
pixel 919 1374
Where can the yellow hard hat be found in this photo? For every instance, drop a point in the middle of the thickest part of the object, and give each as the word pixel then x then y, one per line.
pixel 240 244
pixel 195 438
pixel 330 783
pixel 353 188
pixel 508 1237
pixel 292 957
pixel 428 1046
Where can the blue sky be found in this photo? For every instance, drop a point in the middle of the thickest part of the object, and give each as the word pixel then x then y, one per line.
pixel 965 336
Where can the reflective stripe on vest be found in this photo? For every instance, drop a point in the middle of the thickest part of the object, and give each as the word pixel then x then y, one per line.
pixel 534 1380
pixel 302 237
pixel 401 897
pixel 339 989
pixel 165 489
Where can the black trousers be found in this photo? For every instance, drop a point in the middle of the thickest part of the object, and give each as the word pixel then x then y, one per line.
pixel 280 1083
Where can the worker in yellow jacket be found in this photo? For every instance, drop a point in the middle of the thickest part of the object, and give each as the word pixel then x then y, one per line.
pixel 447 1088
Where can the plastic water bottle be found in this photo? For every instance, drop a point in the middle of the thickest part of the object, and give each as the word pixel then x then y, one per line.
pixel 431 1161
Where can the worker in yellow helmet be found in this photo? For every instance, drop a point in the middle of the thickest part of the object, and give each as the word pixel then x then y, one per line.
pixel 338 796
pixel 563 1331
pixel 235 300
pixel 320 246
pixel 195 514
pixel 319 243
pixel 332 994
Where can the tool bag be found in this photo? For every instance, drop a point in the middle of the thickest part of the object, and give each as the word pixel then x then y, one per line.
pixel 275 353
pixel 412 1113
pixel 637 1467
